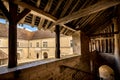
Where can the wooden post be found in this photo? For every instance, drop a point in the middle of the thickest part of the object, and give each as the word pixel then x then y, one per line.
pixel 100 45
pixel 85 54
pixel 12 36
pixel 57 51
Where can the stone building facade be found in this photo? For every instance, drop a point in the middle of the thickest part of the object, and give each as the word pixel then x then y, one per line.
pixel 35 45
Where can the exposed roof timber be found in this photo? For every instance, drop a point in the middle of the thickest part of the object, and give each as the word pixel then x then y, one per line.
pixel 4 10
pixel 102 34
pixel 36 11
pixel 46 9
pixel 67 5
pixel 54 12
pixel 85 4
pixel 48 6
pixel 22 14
pixel 38 3
pixel 46 26
pixel 74 6
pixel 41 23
pixel 102 5
pixel 91 18
pixel 101 27
pixel 58 5
pixel 33 20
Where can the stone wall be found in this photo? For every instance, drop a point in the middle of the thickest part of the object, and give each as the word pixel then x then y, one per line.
pixel 46 71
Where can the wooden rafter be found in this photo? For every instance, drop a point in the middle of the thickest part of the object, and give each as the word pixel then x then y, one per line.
pixel 4 10
pixel 36 11
pixel 87 3
pixel 54 12
pixel 74 6
pixel 91 18
pixel 58 5
pixel 46 9
pixel 102 34
pixel 67 5
pixel 33 20
pixel 22 14
pixel 93 29
pixel 102 5
pixel 38 3
pixel 107 19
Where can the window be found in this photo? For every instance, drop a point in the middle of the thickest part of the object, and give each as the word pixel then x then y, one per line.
pixel 71 43
pixel 37 44
pixel 30 44
pixel 44 44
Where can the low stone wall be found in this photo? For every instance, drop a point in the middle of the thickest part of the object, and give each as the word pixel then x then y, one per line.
pixel 44 71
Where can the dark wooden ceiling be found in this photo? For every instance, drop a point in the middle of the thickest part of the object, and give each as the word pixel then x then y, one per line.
pixel 89 16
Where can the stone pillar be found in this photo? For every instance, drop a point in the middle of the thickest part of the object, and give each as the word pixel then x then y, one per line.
pixel 81 47
pixel 76 43
pixel 117 44
pixel 12 36
pixel 57 51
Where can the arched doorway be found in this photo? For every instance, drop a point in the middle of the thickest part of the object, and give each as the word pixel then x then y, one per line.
pixel 45 55
pixel 37 55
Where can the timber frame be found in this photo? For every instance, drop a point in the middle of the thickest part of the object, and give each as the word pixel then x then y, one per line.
pixel 61 16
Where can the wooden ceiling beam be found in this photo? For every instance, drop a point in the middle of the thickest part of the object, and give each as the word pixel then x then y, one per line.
pixel 98 28
pixel 22 14
pixel 4 10
pixel 91 18
pixel 87 3
pixel 36 11
pixel 102 5
pixel 33 20
pixel 46 9
pixel 53 13
pixel 102 34
pixel 77 3
pixel 57 7
pixel 66 6
pixel 38 3
pixel 105 18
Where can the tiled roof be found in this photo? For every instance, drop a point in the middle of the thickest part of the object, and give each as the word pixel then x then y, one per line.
pixel 3 30
pixel 40 34
pixel 21 33
pixel 27 35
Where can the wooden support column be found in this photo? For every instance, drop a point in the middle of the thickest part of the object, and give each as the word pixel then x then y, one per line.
pixel 116 47
pixel 57 51
pixel 85 54
pixel 12 35
pixel 100 45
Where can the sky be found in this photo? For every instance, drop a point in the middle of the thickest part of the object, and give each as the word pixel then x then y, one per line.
pixel 27 27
